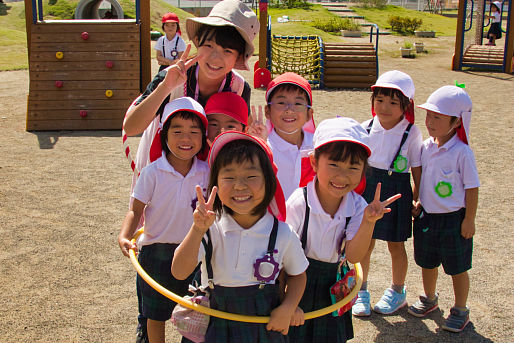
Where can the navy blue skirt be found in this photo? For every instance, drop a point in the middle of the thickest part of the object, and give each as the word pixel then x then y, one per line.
pixel 248 300
pixel 496 30
pixel 395 226
pixel 326 329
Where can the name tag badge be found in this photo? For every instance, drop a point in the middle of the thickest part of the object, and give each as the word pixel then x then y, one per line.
pixel 443 189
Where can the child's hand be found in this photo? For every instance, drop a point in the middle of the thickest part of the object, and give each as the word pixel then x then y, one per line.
pixel 176 73
pixel 376 209
pixel 298 317
pixel 126 245
pixel 416 208
pixel 203 216
pixel 256 126
pixel 280 318
pixel 467 228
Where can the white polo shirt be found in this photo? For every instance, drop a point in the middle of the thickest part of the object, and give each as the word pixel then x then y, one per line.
pixel 170 200
pixel 169 45
pixel 235 250
pixel 453 163
pixel 325 234
pixel 288 159
pixel 385 143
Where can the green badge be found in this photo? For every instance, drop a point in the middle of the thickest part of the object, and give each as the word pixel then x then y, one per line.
pixel 400 164
pixel 444 189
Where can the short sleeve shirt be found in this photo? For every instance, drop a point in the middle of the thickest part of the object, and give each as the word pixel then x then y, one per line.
pixel 451 164
pixel 385 143
pixel 288 159
pixel 235 250
pixel 170 200
pixel 325 234
pixel 166 46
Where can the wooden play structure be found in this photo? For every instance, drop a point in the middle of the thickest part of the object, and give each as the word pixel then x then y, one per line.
pixel 85 73
pixel 470 50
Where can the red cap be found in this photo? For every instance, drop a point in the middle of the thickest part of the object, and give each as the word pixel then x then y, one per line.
pixel 170 18
pixel 230 104
pixel 293 79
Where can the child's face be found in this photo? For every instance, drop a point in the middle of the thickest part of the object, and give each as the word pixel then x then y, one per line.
pixel 184 138
pixel 241 188
pixel 439 125
pixel 388 110
pixel 170 29
pixel 335 178
pixel 216 61
pixel 288 111
pixel 219 123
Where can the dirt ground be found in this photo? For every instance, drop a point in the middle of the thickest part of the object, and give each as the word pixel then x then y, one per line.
pixel 63 196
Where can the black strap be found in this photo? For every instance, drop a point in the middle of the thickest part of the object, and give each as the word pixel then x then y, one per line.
pixel 273 237
pixel 370 125
pixel 164 49
pixel 306 220
pixel 404 138
pixel 344 235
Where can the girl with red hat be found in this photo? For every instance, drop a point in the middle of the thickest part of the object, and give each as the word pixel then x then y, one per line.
pixel 169 47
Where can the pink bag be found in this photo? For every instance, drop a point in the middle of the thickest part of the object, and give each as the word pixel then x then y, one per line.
pixel 189 323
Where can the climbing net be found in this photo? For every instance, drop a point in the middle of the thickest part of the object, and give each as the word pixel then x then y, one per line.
pixel 301 55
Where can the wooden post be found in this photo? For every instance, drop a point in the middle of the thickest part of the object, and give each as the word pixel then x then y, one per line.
pixel 459 36
pixel 146 57
pixel 263 32
pixel 509 63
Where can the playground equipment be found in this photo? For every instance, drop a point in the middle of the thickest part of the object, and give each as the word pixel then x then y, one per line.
pixel 469 48
pixel 85 73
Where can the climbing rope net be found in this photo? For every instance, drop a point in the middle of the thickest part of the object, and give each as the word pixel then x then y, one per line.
pixel 302 55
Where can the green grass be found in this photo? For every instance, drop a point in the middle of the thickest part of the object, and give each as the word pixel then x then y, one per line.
pixel 431 22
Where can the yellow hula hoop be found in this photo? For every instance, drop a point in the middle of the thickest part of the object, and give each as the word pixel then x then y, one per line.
pixel 232 316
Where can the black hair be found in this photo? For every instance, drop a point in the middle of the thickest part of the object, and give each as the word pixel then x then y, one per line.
pixel 392 92
pixel 226 36
pixel 178 27
pixel 344 151
pixel 290 87
pixel 239 151
pixel 187 116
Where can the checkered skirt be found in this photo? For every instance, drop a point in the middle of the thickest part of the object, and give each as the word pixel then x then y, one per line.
pixel 395 226
pixel 320 277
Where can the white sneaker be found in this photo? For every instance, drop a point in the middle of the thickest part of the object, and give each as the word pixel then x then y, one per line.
pixel 362 306
pixel 391 301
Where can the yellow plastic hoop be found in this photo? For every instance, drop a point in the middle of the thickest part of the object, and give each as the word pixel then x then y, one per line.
pixel 232 316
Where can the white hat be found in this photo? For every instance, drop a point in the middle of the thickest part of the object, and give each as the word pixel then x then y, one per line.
pixel 230 13
pixel 397 80
pixel 451 101
pixel 498 5
pixel 184 104
pixel 341 129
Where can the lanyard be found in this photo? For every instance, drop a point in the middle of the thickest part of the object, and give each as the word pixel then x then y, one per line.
pixel 197 88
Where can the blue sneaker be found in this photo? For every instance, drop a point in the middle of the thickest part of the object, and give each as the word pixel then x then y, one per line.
pixel 391 301
pixel 457 320
pixel 362 306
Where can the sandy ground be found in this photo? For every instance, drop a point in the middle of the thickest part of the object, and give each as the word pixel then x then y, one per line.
pixel 64 194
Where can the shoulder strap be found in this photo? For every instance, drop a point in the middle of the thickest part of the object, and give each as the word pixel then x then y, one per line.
pixel 237 83
pixel 370 125
pixel 208 256
pixel 344 236
pixel 306 220
pixel 404 138
pixel 273 237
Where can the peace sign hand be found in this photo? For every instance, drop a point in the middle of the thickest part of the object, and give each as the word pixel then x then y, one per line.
pixel 256 126
pixel 176 73
pixel 376 209
pixel 203 215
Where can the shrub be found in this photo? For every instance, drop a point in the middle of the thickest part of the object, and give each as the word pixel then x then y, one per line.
pixel 303 4
pixel 61 9
pixel 404 24
pixel 373 3
pixel 336 24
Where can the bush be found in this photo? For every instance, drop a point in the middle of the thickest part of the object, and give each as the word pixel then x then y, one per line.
pixel 404 24
pixel 61 9
pixel 303 4
pixel 373 3
pixel 336 24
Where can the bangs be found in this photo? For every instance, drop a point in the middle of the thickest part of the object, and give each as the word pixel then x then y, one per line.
pixel 393 93
pixel 225 36
pixel 343 151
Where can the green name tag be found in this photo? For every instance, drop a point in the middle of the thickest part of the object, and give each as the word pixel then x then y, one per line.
pixel 443 189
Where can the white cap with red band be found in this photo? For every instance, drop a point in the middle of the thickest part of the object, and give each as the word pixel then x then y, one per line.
pixel 396 79
pixel 184 104
pixel 341 129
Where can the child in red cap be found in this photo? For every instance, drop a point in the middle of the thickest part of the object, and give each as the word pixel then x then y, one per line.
pixel 290 115
pixel 226 111
pixel 169 47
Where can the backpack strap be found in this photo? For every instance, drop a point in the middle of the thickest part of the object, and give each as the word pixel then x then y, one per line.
pixel 303 239
pixel 404 139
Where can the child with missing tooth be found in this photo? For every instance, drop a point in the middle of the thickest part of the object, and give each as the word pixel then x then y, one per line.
pixel 445 223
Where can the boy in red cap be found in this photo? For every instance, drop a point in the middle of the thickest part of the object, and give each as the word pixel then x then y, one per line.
pixel 226 111
pixel 290 115
pixel 170 46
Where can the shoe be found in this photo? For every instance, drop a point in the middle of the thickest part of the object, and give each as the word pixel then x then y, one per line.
pixel 362 306
pixel 423 306
pixel 141 335
pixel 457 320
pixel 391 302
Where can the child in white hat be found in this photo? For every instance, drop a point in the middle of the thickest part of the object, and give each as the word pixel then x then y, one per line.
pixel 396 145
pixel 164 194
pixel 495 30
pixel 328 213
pixel 445 221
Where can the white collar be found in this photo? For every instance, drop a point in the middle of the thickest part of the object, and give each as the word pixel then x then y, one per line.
pixel 163 164
pixel 346 207
pixel 398 129
pixel 448 145
pixel 263 226
pixel 283 145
